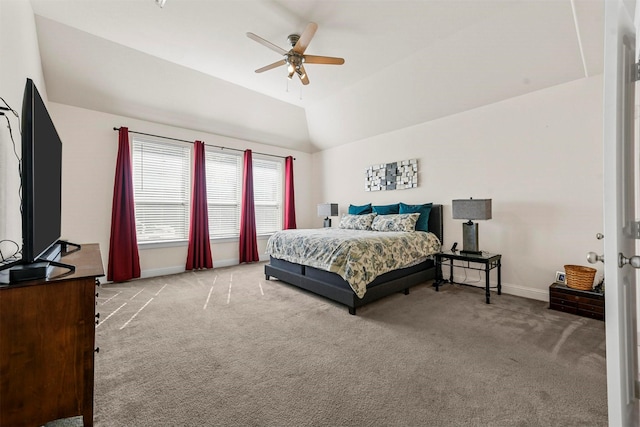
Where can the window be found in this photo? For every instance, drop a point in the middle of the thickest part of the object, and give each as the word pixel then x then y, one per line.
pixel 267 194
pixel 224 193
pixel 161 182
pixel 224 190
pixel 162 188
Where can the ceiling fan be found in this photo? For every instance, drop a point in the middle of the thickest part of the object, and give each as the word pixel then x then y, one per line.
pixel 295 57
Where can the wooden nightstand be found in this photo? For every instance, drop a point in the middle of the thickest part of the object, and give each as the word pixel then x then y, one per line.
pixel 575 301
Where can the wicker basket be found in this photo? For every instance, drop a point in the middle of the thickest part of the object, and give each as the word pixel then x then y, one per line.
pixel 579 277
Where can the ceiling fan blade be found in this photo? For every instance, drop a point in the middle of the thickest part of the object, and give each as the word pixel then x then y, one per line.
pixel 303 76
pixel 314 59
pixel 271 66
pixel 266 43
pixel 305 38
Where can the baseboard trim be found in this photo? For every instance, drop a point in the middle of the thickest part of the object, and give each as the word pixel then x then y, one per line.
pixel 144 274
pixel 511 289
pixel 520 291
pixel 165 271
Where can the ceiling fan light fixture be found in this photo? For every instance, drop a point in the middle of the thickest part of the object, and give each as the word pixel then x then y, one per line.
pixel 161 2
pixel 295 58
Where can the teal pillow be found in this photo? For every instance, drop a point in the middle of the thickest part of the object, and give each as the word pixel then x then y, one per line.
pixel 387 209
pixel 360 210
pixel 423 210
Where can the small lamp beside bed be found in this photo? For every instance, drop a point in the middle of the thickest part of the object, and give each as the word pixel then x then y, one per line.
pixel 469 209
pixel 326 210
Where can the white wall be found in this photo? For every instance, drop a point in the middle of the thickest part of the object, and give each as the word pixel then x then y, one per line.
pixel 20 59
pixel 89 157
pixel 538 156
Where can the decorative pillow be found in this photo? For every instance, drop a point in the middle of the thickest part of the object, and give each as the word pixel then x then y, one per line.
pixel 423 210
pixel 387 209
pixel 357 222
pixel 360 210
pixel 395 222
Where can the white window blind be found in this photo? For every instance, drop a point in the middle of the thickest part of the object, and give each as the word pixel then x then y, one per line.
pixel 224 191
pixel 267 194
pixel 161 182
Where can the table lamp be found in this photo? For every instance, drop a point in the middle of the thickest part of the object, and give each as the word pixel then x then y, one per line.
pixel 326 210
pixel 470 209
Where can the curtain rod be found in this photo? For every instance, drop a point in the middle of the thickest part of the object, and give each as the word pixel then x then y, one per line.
pixel 208 145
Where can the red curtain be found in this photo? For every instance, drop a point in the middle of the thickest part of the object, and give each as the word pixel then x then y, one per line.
pixel 289 200
pixel 248 237
pixel 124 262
pixel 199 252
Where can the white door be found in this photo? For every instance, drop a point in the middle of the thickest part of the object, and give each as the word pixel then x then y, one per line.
pixel 619 211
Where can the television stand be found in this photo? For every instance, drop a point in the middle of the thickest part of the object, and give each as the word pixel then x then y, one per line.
pixel 32 271
pixel 41 268
pixel 64 246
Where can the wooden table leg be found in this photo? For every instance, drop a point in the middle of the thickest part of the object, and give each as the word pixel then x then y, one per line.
pixel 499 278
pixel 487 269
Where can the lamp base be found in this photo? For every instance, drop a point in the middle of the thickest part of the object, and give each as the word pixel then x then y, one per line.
pixel 471 252
pixel 470 238
pixel 327 222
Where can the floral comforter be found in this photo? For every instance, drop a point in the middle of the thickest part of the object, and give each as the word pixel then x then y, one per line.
pixel 358 256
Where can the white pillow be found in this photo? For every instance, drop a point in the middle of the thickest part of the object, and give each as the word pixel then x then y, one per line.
pixel 357 222
pixel 395 222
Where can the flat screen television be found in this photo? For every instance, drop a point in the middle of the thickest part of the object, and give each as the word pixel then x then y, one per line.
pixel 41 178
pixel 41 195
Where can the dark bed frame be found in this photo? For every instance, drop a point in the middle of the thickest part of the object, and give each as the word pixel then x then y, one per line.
pixel 333 287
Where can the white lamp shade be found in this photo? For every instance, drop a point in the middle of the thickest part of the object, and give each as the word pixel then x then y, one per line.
pixel 327 209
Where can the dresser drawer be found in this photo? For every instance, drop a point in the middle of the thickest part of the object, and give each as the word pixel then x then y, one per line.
pixel 592 300
pixel 565 308
pixel 563 301
pixel 591 314
pixel 590 307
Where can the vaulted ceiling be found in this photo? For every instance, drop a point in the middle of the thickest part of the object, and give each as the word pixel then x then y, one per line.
pixel 190 64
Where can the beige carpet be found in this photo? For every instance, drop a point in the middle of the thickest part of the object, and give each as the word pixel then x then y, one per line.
pixel 227 348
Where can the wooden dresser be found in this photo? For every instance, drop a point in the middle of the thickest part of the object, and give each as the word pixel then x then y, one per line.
pixel 575 301
pixel 47 344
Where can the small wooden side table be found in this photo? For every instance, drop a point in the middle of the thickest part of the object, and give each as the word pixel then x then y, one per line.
pixel 576 301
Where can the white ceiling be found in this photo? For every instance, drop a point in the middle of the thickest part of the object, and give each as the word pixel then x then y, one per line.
pixel 191 65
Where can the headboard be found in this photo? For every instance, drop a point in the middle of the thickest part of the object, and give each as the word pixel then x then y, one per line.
pixel 435 222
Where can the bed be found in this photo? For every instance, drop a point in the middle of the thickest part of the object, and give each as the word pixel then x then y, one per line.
pixel 313 277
